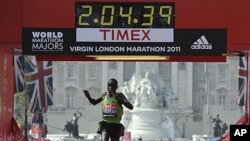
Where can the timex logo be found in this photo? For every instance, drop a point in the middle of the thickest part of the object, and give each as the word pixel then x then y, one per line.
pixel 125 35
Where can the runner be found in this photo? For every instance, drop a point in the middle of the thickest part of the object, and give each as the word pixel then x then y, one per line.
pixel 112 111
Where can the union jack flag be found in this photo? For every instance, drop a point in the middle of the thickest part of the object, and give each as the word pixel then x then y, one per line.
pixel 20 85
pixel 242 79
pixel 39 82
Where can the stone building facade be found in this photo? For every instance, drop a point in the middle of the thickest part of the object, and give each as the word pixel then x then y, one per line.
pixel 193 85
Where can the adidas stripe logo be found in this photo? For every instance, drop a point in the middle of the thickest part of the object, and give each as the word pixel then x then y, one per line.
pixel 201 43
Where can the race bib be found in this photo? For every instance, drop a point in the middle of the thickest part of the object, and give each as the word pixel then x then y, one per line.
pixel 109 110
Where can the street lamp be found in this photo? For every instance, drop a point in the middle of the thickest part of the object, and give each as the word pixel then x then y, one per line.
pixel 184 125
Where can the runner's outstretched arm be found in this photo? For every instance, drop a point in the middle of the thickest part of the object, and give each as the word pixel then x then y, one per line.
pixel 91 100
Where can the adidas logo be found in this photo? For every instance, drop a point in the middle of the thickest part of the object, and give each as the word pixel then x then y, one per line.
pixel 201 43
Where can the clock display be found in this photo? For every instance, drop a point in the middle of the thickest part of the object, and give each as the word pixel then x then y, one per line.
pixel 124 15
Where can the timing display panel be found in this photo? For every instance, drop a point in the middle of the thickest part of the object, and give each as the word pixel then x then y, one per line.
pixel 124 15
pixel 124 22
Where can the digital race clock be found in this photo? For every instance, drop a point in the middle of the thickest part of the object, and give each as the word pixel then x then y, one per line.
pixel 124 15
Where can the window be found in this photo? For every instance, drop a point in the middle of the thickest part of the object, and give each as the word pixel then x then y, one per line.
pixel 201 102
pixel 200 72
pixel 129 69
pixel 71 101
pixel 222 72
pixel 112 65
pixel 181 66
pixel 222 100
pixel 71 71
pixel 92 71
pixel 165 70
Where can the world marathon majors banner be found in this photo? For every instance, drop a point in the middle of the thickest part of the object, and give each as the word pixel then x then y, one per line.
pixel 62 41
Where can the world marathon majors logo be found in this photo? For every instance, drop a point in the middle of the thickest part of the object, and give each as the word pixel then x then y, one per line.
pixel 43 40
pixel 47 41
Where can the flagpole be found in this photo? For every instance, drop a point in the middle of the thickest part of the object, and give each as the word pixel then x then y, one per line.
pixel 26 124
pixel 208 100
pixel 26 79
pixel 26 115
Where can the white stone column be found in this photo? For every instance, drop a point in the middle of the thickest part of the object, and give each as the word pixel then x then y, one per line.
pixel 182 86
pixel 185 84
pixel 189 92
pixel 120 72
pixel 182 83
pixel 174 76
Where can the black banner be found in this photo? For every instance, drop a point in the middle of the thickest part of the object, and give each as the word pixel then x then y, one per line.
pixel 186 42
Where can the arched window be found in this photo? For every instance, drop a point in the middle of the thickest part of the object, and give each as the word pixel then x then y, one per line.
pixel 71 94
pixel 71 100
pixel 222 97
